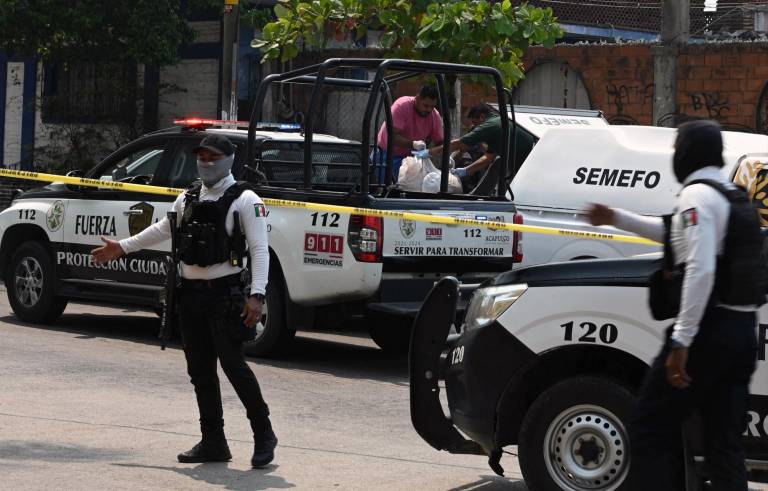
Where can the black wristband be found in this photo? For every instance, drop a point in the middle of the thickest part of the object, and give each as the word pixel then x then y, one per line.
pixel 258 296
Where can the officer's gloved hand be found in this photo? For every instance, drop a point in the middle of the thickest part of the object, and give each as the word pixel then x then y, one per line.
pixel 460 172
pixel 424 154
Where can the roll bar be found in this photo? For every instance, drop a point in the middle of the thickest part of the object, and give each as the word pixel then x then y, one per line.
pixel 387 72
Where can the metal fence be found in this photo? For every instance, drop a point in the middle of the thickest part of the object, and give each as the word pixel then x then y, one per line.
pixel 645 15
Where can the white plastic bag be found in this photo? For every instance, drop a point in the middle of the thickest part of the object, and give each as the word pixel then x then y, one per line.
pixel 431 183
pixel 419 174
pixel 413 169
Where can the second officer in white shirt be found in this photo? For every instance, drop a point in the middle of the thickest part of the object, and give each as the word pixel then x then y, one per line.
pixel 713 242
pixel 215 315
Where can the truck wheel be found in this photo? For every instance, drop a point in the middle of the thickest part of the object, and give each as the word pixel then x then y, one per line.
pixel 390 332
pixel 273 335
pixel 574 437
pixel 31 285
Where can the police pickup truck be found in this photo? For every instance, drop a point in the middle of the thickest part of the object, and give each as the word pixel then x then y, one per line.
pixel 319 260
pixel 549 358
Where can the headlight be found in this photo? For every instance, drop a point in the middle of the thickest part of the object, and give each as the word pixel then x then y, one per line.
pixel 488 304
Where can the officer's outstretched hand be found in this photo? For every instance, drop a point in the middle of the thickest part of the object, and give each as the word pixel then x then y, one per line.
pixel 676 374
pixel 252 311
pixel 111 250
pixel 600 215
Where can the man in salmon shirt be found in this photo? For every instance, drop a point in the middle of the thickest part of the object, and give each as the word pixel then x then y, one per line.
pixel 414 118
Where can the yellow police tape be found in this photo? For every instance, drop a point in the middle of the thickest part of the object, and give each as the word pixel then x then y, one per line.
pixel 406 215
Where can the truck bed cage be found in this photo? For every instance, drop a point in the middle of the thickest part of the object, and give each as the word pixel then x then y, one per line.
pixel 387 72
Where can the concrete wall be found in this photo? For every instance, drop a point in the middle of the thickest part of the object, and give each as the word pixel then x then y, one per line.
pixel 192 89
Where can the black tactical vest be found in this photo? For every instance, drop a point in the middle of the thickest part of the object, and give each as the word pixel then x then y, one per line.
pixel 742 272
pixel 202 235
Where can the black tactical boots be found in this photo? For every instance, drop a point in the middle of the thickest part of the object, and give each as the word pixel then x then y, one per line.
pixel 264 445
pixel 207 451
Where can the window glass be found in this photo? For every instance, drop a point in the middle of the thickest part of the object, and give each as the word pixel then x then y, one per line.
pixel 140 165
pixel 283 164
pixel 183 166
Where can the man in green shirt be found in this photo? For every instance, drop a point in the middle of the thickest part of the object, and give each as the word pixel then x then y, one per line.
pixel 486 130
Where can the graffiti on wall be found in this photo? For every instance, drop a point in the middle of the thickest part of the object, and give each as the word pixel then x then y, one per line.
pixel 714 103
pixel 709 105
pixel 621 96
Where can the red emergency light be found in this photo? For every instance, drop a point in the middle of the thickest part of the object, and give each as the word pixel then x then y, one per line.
pixel 208 122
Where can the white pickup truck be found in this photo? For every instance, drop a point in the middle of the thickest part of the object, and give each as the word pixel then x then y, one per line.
pixel 566 159
pixel 319 260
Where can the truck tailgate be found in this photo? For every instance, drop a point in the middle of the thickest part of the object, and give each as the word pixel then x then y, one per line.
pixel 412 245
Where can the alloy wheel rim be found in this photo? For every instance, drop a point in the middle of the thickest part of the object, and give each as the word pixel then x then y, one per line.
pixel 28 282
pixel 586 448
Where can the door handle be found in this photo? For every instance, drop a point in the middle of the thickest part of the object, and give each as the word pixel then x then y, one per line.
pixel 133 212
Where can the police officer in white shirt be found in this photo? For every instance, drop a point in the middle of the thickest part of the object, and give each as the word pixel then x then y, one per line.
pixel 710 352
pixel 215 316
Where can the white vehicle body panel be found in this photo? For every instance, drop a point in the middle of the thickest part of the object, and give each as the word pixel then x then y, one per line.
pixel 538 318
pixel 629 167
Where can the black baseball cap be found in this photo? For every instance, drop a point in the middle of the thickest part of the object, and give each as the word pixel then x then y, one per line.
pixel 216 143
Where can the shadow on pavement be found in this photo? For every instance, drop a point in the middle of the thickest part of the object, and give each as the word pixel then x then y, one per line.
pixel 52 452
pixel 353 359
pixel 492 483
pixel 221 475
pixel 341 359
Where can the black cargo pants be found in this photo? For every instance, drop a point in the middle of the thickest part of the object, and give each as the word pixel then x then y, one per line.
pixel 721 360
pixel 211 329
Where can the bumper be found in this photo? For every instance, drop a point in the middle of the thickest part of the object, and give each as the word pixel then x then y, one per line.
pixel 403 295
pixel 431 328
pixel 478 367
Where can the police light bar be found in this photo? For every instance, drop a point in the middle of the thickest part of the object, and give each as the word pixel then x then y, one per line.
pixel 263 125
pixel 208 122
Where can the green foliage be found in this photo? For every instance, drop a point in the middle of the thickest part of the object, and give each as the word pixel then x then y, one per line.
pixel 147 31
pixel 481 32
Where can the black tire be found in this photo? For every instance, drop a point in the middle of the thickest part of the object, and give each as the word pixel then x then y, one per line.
pixel 30 281
pixel 390 332
pixel 276 335
pixel 578 416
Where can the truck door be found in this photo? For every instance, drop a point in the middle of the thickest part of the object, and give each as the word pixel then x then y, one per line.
pixel 117 214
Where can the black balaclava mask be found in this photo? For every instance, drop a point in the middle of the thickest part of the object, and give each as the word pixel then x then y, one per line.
pixel 699 144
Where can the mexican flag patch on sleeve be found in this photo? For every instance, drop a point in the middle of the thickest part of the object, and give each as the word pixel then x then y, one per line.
pixel 690 218
pixel 261 210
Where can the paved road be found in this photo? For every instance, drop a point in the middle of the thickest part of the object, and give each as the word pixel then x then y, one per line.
pixel 92 403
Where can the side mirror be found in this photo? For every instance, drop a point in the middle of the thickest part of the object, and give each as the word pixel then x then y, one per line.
pixel 119 173
pixel 15 193
pixel 74 187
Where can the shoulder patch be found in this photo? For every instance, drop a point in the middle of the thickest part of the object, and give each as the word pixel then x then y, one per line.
pixel 260 210
pixel 690 218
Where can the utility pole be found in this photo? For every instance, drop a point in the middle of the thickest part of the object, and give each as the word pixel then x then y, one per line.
pixel 230 40
pixel 675 31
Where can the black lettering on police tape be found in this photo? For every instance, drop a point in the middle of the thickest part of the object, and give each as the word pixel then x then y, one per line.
pixel 651 180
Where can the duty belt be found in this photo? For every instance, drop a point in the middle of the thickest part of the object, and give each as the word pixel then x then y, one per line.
pixel 212 284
